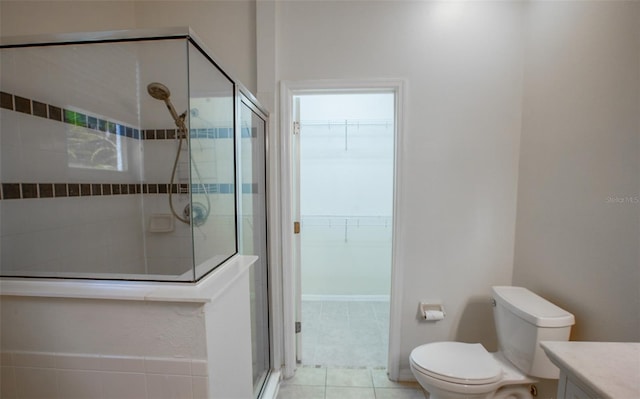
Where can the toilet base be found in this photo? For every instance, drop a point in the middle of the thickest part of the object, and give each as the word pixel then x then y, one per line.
pixel 514 392
pixel 506 392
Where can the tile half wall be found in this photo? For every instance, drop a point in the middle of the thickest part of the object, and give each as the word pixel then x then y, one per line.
pixel 66 375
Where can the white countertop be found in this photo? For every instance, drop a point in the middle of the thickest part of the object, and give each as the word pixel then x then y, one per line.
pixel 610 369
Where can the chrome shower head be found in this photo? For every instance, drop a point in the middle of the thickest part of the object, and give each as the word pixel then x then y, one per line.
pixel 162 93
pixel 158 91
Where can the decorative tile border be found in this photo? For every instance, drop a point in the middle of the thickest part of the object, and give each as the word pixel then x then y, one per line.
pixel 9 191
pixel 169 134
pixel 159 134
pixel 32 107
pixel 12 191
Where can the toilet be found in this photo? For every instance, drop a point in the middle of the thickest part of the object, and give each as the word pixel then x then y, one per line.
pixel 449 370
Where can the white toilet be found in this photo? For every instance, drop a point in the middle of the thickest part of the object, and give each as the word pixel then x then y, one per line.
pixel 450 370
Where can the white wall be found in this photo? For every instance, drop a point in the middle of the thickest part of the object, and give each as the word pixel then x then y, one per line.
pixel 44 17
pixel 579 200
pixel 565 76
pixel 463 66
pixel 226 27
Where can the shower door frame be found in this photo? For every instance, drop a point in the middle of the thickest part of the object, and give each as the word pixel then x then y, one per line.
pixel 288 90
pixel 244 96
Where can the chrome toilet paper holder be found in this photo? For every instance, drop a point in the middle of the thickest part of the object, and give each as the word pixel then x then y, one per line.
pixel 432 311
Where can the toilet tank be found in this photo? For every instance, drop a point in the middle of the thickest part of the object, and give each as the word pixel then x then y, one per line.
pixel 523 319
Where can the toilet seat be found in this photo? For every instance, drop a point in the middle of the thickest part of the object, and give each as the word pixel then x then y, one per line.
pixel 457 363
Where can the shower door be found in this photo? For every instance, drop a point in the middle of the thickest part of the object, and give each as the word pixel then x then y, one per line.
pixel 252 229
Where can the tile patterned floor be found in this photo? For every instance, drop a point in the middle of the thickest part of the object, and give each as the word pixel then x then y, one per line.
pixel 344 354
pixel 345 333
pixel 345 383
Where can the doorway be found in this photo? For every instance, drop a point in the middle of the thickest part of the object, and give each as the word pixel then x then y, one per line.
pixel 290 148
pixel 343 163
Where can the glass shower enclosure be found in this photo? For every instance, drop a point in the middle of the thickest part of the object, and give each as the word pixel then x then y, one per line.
pixel 118 158
pixel 252 229
pixel 132 155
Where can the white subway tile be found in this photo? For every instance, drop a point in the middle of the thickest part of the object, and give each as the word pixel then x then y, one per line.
pixel 40 215
pixel 17 250
pixel 10 132
pixel 6 359
pixel 123 385
pixel 199 368
pixel 78 384
pixel 44 166
pixel 168 265
pixel 35 135
pixel 122 364
pixel 159 156
pixel 13 217
pixel 8 388
pixel 11 165
pixel 161 386
pixel 77 362
pixel 59 137
pixel 200 386
pixel 34 359
pixel 168 366
pixel 46 249
pixel 36 383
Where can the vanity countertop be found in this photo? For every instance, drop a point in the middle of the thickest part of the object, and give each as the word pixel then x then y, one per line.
pixel 609 369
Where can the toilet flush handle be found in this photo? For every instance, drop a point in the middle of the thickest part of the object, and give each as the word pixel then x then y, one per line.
pixel 493 302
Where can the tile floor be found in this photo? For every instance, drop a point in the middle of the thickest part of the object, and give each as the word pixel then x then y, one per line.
pixel 347 334
pixel 344 354
pixel 345 383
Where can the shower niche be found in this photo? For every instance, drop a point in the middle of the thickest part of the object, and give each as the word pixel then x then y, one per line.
pixel 118 158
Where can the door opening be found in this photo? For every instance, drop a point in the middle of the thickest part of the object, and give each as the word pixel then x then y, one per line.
pixel 344 182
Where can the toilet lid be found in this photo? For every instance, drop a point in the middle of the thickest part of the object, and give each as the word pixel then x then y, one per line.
pixel 457 362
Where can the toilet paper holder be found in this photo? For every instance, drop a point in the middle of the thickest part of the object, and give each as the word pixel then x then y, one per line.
pixel 432 311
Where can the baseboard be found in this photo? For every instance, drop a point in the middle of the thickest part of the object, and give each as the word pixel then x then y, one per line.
pixel 344 298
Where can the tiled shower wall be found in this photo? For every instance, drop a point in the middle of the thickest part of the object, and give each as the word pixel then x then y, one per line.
pixel 54 224
pixel 60 218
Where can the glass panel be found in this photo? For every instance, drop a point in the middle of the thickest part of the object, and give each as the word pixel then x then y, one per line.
pixel 164 94
pixel 72 142
pixel 96 175
pixel 253 234
pixel 211 142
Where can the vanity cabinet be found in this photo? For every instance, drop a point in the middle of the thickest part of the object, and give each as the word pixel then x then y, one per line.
pixel 570 388
pixel 596 370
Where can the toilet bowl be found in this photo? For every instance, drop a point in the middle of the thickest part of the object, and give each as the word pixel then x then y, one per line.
pixel 449 370
pixel 455 370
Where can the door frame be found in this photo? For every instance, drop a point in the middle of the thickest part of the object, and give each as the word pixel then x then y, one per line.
pixel 289 89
